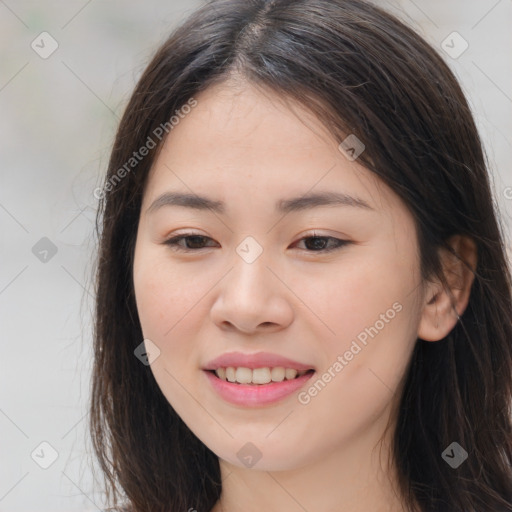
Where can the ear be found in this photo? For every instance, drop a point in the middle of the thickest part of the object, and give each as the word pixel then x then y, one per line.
pixel 442 307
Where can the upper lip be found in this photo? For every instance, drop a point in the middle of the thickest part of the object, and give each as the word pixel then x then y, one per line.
pixel 256 360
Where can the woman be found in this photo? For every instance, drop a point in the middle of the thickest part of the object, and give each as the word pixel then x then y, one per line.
pixel 303 300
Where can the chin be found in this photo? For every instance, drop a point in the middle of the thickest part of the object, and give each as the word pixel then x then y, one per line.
pixel 260 454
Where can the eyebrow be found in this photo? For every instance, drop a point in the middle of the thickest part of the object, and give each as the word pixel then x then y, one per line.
pixel 295 204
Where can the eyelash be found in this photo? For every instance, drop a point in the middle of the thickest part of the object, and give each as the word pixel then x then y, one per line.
pixel 173 243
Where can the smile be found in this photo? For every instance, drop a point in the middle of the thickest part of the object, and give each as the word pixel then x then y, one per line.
pixel 254 394
pixel 258 376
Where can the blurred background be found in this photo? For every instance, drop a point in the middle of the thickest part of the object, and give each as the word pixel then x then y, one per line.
pixel 66 71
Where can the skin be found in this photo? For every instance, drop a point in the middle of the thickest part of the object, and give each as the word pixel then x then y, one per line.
pixel 242 146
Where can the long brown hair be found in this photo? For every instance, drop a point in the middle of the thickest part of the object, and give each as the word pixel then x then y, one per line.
pixel 360 71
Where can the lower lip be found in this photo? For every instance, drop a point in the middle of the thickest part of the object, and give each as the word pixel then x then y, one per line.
pixel 254 395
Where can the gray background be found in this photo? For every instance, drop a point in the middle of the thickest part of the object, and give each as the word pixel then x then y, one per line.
pixel 58 119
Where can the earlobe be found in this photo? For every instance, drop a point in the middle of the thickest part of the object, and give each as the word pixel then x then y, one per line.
pixel 444 305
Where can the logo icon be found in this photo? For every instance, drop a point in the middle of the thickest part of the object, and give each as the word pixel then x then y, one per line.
pixel 249 249
pixel 44 250
pixel 454 45
pixel 454 455
pixel 249 455
pixel 351 147
pixel 147 352
pixel 44 45
pixel 44 455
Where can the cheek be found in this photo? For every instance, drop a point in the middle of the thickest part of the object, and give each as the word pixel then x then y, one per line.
pixel 160 294
pixel 370 310
pixel 153 300
pixel 351 295
pixel 171 303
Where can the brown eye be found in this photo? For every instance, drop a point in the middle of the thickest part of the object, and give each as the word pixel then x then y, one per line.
pixel 321 243
pixel 192 242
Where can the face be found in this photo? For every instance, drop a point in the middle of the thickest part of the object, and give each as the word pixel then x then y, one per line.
pixel 334 288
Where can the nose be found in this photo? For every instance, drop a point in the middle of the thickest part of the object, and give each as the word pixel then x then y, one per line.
pixel 252 298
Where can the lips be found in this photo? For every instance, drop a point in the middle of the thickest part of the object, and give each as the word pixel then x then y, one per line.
pixel 256 360
pixel 255 395
pixel 263 392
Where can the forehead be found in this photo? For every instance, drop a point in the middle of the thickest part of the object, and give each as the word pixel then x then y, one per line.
pixel 239 140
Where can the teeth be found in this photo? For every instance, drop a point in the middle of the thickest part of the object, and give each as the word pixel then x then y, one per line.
pixel 258 375
pixel 230 374
pixel 290 373
pixel 278 374
pixel 261 376
pixel 243 375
